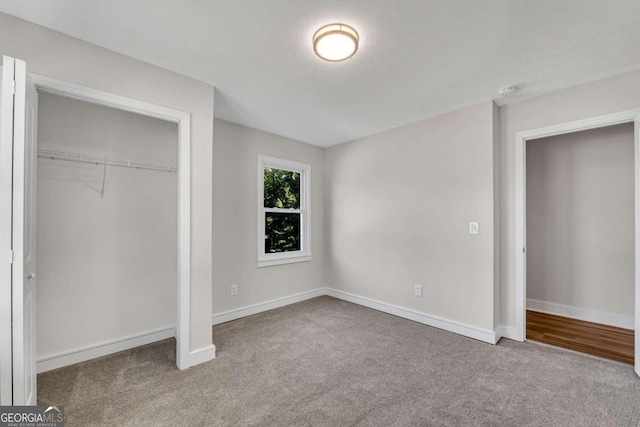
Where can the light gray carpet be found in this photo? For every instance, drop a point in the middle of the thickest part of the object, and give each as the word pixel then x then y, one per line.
pixel 328 362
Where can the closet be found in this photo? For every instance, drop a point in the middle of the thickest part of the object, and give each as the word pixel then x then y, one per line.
pixel 107 203
pixel 580 232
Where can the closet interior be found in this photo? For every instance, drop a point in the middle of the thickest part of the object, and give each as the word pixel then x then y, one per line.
pixel 107 203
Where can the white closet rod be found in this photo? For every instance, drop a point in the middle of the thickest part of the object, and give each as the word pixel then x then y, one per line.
pixel 95 160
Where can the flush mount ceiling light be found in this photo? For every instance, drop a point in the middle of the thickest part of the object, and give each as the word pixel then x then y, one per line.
pixel 335 42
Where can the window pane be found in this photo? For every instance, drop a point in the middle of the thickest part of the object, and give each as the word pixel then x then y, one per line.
pixel 282 232
pixel 281 189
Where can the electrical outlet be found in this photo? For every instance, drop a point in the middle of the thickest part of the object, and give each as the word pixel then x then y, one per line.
pixel 474 228
pixel 417 290
pixel 234 289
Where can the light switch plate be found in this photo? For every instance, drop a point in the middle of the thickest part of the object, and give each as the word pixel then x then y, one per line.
pixel 417 290
pixel 474 228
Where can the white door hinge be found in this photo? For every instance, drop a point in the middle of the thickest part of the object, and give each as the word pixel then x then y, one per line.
pixel 11 256
pixel 13 88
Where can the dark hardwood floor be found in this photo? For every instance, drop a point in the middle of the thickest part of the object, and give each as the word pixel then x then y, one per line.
pixel 586 337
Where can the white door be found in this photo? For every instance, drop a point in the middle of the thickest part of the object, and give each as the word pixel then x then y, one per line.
pixel 21 182
pixel 6 178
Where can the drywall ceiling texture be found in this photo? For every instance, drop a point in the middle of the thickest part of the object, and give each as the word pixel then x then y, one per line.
pixel 417 59
pixel 398 206
pixel 594 99
pixel 235 204
pixel 107 266
pixel 65 58
pixel 580 219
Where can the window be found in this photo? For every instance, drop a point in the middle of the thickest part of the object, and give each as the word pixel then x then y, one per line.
pixel 284 232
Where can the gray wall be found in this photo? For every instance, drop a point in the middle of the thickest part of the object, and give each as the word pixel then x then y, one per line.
pixel 65 58
pixel 107 267
pixel 446 166
pixel 235 193
pixel 606 96
pixel 398 209
pixel 580 219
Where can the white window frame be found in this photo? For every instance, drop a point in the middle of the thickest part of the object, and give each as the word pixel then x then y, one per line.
pixel 304 254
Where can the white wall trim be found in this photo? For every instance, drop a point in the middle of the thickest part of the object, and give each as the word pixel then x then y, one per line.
pixel 520 205
pixel 94 96
pixel 588 315
pixel 183 119
pixel 250 310
pixel 509 332
pixel 484 335
pixel 203 355
pixel 71 357
pixel 6 197
pixel 59 360
pixel 288 259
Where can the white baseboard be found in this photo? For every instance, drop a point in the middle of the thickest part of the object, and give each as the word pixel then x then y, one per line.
pixel 484 335
pixel 249 310
pixel 509 332
pixel 202 355
pixel 55 361
pixel 588 315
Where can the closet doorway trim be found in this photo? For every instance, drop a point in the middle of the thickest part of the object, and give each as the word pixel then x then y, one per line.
pixel 183 119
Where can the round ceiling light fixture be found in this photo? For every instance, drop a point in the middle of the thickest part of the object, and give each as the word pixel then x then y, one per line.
pixel 335 42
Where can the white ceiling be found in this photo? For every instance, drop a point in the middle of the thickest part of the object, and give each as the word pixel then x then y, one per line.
pixel 417 58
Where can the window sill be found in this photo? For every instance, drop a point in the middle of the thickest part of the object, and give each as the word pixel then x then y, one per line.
pixel 289 259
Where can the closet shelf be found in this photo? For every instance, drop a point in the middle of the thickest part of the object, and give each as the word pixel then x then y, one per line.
pixel 95 160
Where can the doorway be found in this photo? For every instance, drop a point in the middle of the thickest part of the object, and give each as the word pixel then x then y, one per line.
pixel 629 117
pixel 580 244
pixel 17 332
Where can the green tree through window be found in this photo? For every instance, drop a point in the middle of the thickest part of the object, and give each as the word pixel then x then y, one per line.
pixel 282 228
pixel 284 200
pixel 281 189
